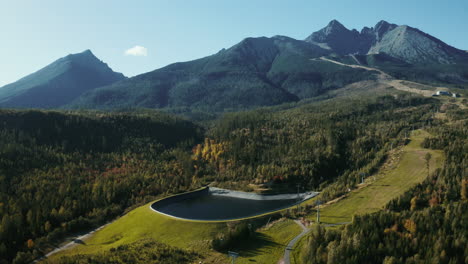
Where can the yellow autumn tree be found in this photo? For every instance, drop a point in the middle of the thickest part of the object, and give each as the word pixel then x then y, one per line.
pixel 197 152
pixel 47 226
pixel 210 151
pixel 464 189
pixel 30 243
pixel 414 203
pixel 410 225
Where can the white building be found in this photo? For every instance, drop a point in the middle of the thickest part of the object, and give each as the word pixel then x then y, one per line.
pixel 443 93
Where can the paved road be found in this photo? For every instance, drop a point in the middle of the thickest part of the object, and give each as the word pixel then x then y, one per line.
pixel 287 251
pixel 289 247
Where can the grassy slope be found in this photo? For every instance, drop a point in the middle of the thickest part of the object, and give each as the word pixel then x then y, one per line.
pixel 144 223
pixel 141 223
pixel 269 243
pixel 389 184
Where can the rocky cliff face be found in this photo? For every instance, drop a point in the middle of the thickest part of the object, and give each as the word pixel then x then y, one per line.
pixel 402 42
pixel 338 38
pixel 415 46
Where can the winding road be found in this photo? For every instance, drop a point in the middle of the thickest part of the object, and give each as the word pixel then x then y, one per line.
pixel 287 251
pixel 289 247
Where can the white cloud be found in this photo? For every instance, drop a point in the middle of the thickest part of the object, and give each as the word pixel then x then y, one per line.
pixel 137 51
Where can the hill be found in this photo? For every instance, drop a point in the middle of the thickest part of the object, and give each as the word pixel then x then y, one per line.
pixel 59 83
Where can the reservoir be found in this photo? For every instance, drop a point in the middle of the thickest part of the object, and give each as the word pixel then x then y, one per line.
pixel 214 204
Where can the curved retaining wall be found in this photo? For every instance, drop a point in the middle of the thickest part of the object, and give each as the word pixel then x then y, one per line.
pixel 229 193
pixel 180 197
pixel 254 196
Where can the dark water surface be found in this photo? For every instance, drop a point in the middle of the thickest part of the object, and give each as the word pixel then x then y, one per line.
pixel 215 207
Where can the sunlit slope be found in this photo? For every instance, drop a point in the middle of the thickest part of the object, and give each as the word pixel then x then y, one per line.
pixel 387 184
pixel 144 223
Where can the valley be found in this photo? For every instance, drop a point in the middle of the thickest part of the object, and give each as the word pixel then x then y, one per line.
pixel 403 170
pixel 345 146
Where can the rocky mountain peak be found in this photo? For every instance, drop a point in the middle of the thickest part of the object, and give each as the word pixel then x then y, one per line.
pixel 381 28
pixel 333 27
pixel 401 42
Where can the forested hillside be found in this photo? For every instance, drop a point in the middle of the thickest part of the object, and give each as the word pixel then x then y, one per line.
pixel 66 172
pixel 427 224
pixel 255 72
pixel 310 145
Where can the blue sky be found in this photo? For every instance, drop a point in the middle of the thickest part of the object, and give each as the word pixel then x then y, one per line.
pixel 34 33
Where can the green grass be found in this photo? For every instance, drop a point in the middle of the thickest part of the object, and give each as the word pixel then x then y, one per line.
pixel 269 243
pixel 144 223
pixel 388 184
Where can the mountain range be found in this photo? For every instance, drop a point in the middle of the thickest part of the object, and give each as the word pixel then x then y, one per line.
pixel 401 42
pixel 255 72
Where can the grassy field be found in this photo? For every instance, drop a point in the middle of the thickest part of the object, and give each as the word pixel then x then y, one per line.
pixel 390 182
pixel 269 243
pixel 387 184
pixel 144 223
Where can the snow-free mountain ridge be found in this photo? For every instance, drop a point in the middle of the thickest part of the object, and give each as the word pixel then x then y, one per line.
pixel 59 83
pixel 253 73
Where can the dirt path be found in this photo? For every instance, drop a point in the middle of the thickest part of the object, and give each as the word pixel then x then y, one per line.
pixel 75 241
pixel 355 59
pixel 387 79
pixel 382 75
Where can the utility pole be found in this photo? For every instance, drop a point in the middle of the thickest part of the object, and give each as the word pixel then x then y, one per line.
pixel 298 197
pixel 362 176
pixel 233 256
pixel 318 212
